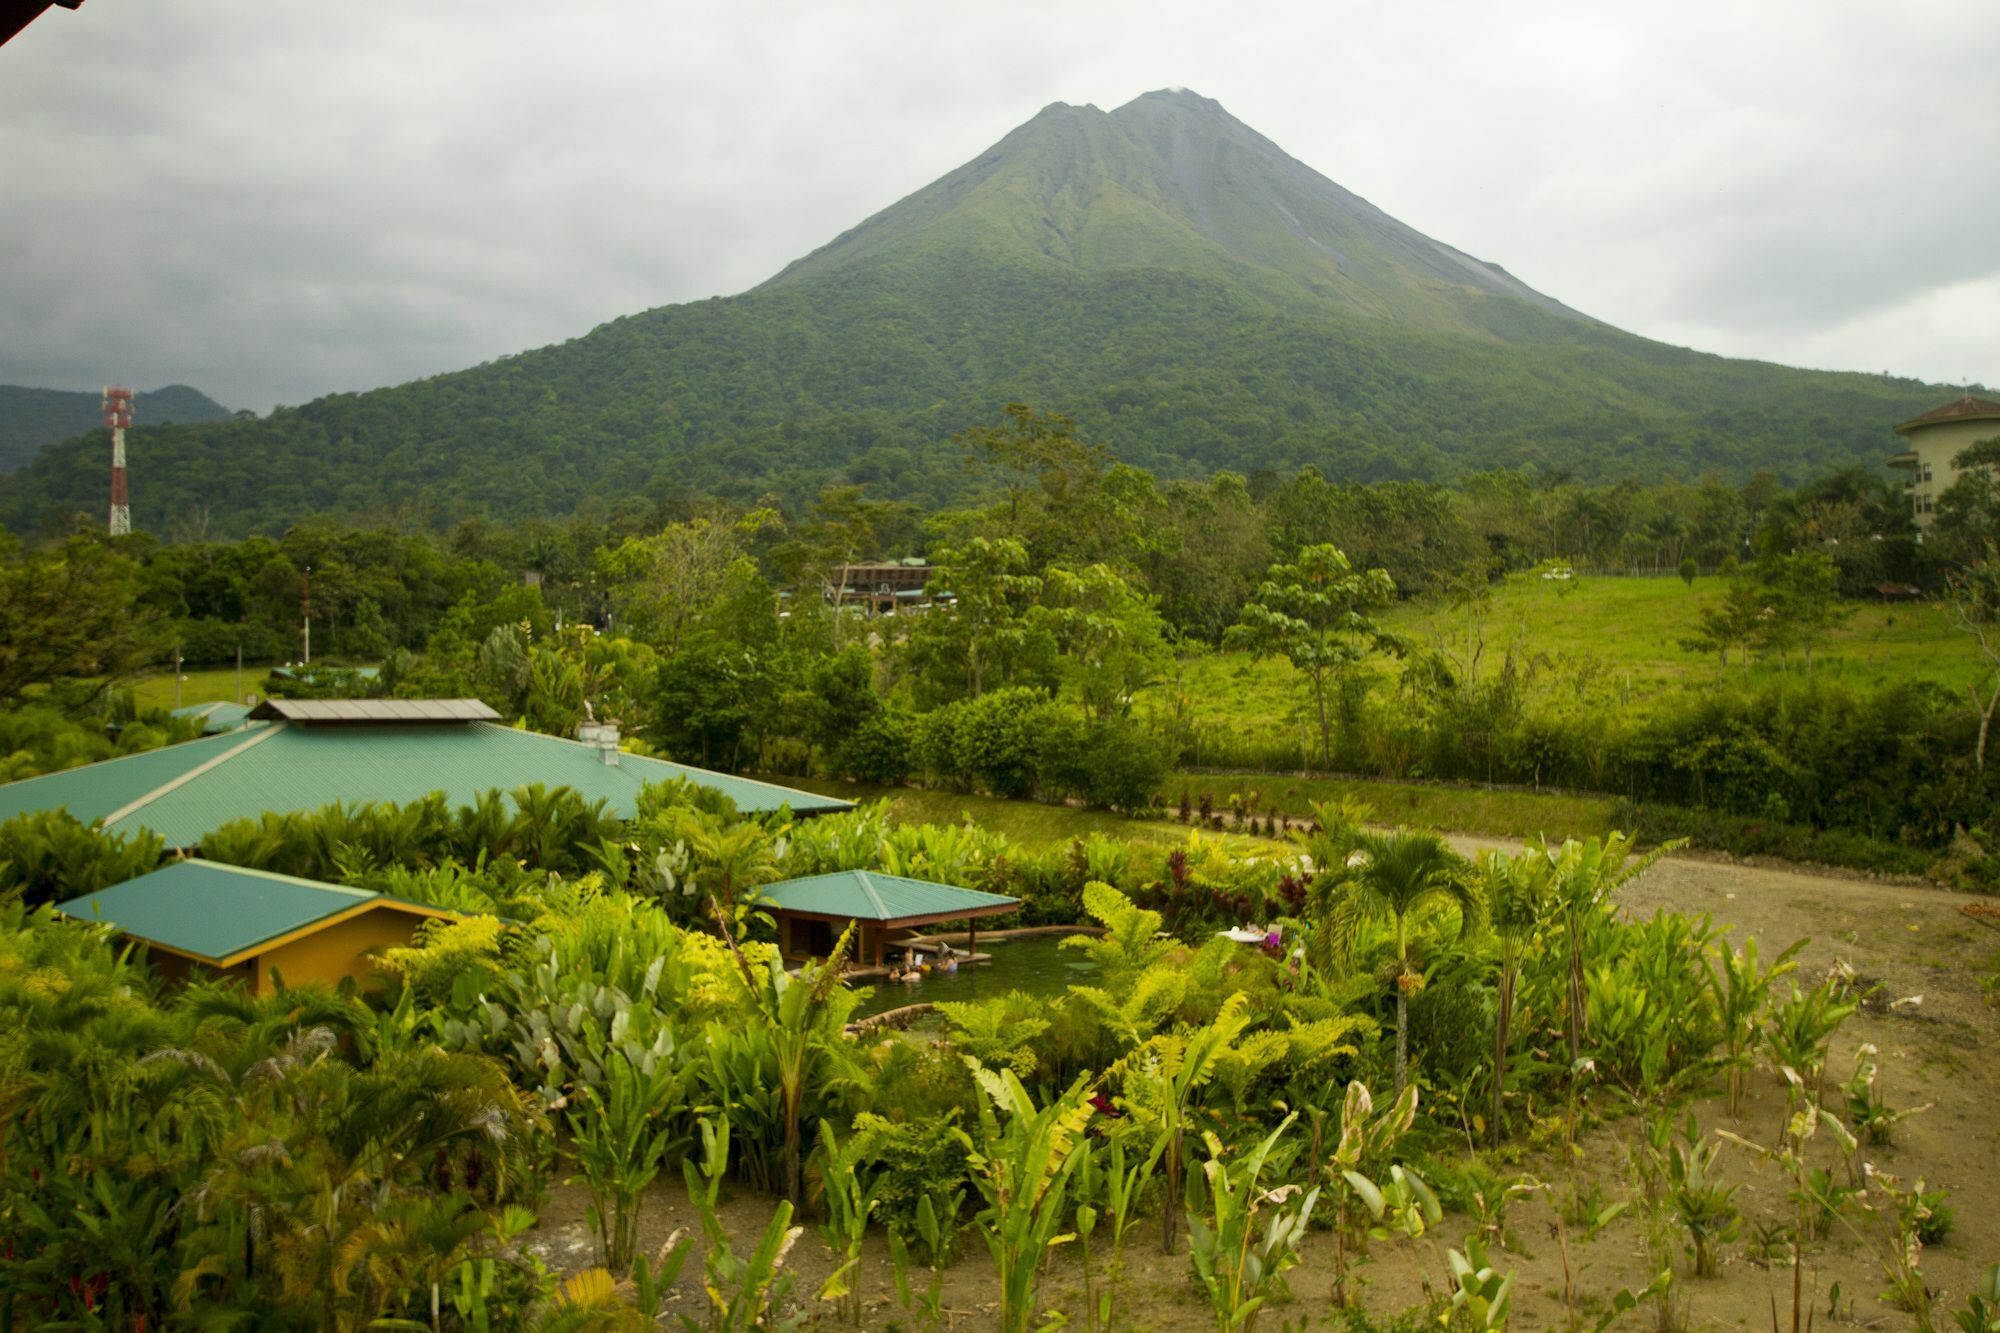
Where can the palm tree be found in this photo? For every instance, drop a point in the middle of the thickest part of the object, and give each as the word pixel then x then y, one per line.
pixel 1515 889
pixel 728 858
pixel 1395 877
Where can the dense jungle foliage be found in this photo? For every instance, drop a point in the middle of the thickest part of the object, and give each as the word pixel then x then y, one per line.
pixel 338 1160
pixel 1087 602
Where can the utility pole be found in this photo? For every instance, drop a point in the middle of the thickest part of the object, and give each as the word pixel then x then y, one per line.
pixel 118 416
pixel 177 677
pixel 306 605
pixel 239 673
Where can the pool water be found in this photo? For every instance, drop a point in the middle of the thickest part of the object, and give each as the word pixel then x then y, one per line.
pixel 1036 965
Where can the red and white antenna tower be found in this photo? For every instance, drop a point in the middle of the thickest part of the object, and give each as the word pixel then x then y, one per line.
pixel 118 416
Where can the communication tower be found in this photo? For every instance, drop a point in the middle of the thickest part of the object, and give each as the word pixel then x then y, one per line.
pixel 118 416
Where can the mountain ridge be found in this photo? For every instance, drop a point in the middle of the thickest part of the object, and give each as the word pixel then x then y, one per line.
pixel 33 417
pixel 1195 297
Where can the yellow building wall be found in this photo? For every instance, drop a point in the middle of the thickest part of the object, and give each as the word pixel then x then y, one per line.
pixel 1935 447
pixel 341 950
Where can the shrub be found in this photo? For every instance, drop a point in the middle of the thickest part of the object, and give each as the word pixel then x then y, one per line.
pixel 880 750
pixel 50 855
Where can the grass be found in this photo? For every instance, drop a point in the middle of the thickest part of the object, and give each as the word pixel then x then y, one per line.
pixel 1503 814
pixel 197 687
pixel 1030 823
pixel 1597 642
pixel 1497 813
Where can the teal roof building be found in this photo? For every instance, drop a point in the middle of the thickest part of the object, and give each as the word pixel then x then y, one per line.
pixel 216 716
pixel 312 753
pixel 808 910
pixel 253 925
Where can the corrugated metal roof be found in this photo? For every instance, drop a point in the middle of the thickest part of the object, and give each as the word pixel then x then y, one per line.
pixel 374 710
pixel 218 912
pixel 217 715
pixel 183 792
pixel 864 895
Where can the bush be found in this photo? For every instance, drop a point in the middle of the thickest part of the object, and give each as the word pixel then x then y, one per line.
pixel 880 750
pixel 1120 765
pixel 49 856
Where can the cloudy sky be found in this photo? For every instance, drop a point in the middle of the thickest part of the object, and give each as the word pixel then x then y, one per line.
pixel 272 201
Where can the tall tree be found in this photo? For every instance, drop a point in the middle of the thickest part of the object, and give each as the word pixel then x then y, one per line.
pixel 69 615
pixel 1315 613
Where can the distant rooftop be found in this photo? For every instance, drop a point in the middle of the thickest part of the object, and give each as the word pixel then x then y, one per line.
pixel 1967 408
pixel 217 715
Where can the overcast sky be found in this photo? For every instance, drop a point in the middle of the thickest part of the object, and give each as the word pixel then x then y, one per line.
pixel 272 201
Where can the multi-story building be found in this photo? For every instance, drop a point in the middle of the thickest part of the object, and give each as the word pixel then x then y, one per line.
pixel 1934 439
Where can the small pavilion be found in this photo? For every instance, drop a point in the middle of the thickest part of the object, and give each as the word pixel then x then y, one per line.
pixel 204 918
pixel 811 912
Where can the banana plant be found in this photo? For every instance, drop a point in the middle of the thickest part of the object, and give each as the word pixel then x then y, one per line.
pixel 1239 1265
pixel 1027 1157
pixel 850 1202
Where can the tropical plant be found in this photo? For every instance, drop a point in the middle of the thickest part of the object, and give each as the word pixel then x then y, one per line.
pixel 802 1017
pixel 1161 1080
pixel 849 1199
pixel 1367 1139
pixel 1515 889
pixel 1742 993
pixel 1239 1264
pixel 1701 1200
pixel 1398 878
pixel 1026 1159
pixel 744 1293
pixel 619 1137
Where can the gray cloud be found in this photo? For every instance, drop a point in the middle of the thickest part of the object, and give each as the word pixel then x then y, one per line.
pixel 277 201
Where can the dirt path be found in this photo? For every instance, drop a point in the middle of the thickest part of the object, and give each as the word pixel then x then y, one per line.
pixel 1902 942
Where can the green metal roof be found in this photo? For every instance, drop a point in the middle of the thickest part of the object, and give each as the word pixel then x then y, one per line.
pixel 214 911
pixel 184 792
pixel 217 716
pixel 864 895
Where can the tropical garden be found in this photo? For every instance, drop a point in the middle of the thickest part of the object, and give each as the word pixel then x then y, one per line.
pixel 1325 1129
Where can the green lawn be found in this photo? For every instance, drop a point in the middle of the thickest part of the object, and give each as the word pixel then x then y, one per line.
pixel 1609 641
pixel 1027 822
pixel 1515 814
pixel 197 686
pixel 1634 625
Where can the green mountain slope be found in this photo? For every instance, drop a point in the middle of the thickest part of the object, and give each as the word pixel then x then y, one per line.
pixel 1196 298
pixel 31 418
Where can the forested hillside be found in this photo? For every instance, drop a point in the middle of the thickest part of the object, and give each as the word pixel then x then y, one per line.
pixel 37 417
pixel 1194 298
pixel 31 418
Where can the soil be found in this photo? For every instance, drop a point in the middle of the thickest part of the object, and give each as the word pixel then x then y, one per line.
pixel 1913 948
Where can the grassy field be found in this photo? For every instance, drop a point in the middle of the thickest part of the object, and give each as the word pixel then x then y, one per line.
pixel 1517 814
pixel 1028 822
pixel 1514 814
pixel 197 686
pixel 1614 641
